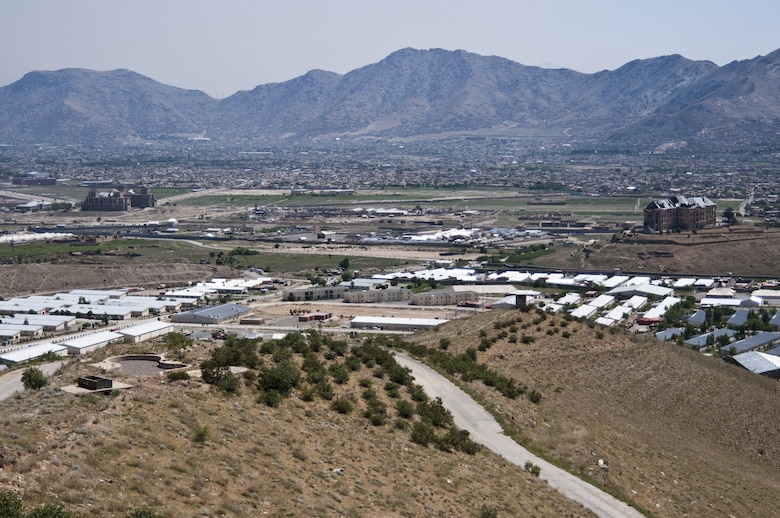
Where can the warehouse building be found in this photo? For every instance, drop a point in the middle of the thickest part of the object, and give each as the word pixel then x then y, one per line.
pixel 24 329
pixel 91 342
pixel 395 324
pixel 759 363
pixel 750 343
pixel 33 353
pixel 211 315
pixel 146 331
pixel 49 322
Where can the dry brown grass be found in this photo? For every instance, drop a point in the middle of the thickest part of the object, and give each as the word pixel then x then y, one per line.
pixel 682 434
pixel 104 456
pixel 742 251
pixel 24 279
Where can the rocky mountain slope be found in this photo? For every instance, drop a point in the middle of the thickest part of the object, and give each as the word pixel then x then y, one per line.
pixel 412 94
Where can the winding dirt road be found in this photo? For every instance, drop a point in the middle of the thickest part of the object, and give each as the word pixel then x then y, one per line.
pixel 484 429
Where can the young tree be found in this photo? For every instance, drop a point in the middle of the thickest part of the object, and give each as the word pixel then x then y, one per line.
pixel 33 379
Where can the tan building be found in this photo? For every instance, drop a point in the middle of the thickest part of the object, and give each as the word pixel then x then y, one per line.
pixel 386 295
pixel 680 213
pixel 314 293
pixel 444 298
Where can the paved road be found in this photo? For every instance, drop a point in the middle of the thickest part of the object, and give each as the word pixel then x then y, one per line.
pixel 469 415
pixel 11 382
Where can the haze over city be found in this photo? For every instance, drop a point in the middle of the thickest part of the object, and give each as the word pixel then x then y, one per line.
pixel 237 45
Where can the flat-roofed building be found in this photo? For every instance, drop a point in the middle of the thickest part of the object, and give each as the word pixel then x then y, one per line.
pixel 24 329
pixel 147 330
pixel 49 322
pixel 314 293
pixel 100 294
pixel 99 311
pixel 33 353
pixel 16 305
pixel 371 296
pixel 212 314
pixel 443 298
pixel 395 323
pixel 9 335
pixel 90 342
pixel 770 297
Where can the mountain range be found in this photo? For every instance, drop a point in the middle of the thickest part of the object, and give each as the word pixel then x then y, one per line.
pixel 412 95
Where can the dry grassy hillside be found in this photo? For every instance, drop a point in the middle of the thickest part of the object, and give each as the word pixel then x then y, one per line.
pixel 741 250
pixel 681 434
pixel 24 279
pixel 184 448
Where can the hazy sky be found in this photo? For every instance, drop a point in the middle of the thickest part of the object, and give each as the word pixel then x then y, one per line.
pixel 224 46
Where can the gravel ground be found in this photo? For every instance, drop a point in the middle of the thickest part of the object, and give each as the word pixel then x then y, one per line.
pixel 140 367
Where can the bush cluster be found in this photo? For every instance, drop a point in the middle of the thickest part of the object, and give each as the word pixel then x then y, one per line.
pixel 311 364
pixel 466 366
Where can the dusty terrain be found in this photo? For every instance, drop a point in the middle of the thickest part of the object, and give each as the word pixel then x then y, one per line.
pixel 26 279
pixel 742 251
pixel 104 456
pixel 681 434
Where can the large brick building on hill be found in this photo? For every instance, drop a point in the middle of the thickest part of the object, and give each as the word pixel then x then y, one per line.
pixel 118 200
pixel 680 213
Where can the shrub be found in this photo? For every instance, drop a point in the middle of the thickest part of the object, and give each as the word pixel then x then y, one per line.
pixel 271 398
pixel 325 390
pixel 534 396
pixel 178 375
pixel 281 378
pixel 434 413
pixel 377 419
pixel 307 394
pixel 144 513
pixel 532 468
pixel 342 406
pixel 404 408
pixel 423 434
pixel 401 424
pixel 49 511
pixel 392 389
pixel 202 434
pixel 230 383
pixel 10 505
pixel 33 379
pixel 339 372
